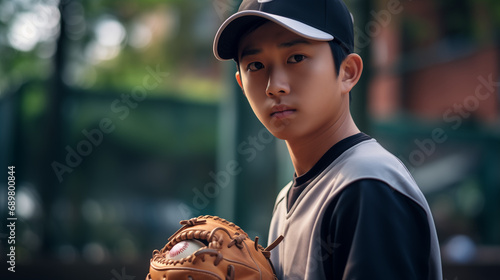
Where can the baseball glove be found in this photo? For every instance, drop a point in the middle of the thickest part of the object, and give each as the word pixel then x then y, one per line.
pixel 228 253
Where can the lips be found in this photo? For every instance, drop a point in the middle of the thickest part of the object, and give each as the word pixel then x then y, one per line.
pixel 282 111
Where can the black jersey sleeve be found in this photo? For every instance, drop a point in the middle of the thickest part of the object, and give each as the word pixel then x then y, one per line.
pixel 371 231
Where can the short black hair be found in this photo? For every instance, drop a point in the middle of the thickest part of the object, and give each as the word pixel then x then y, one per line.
pixel 339 53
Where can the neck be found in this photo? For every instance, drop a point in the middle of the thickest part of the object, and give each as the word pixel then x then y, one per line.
pixel 305 153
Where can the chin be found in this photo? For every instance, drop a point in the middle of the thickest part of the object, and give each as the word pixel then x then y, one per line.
pixel 278 129
pixel 283 134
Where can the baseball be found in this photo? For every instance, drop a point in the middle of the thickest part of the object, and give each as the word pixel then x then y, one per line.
pixel 184 249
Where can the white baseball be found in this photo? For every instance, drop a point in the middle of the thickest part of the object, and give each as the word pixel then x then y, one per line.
pixel 184 249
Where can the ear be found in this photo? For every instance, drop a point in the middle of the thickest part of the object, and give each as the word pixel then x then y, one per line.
pixel 238 79
pixel 350 71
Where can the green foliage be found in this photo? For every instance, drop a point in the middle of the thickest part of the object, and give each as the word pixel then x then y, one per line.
pixel 175 35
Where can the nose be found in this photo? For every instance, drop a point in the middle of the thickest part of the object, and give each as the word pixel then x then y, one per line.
pixel 277 84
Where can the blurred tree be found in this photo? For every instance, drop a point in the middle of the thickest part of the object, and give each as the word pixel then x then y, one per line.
pixel 62 65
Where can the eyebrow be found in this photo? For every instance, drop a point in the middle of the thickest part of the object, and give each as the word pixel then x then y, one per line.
pixel 293 43
pixel 288 44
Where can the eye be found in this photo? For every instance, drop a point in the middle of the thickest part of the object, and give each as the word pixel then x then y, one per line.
pixel 254 66
pixel 296 58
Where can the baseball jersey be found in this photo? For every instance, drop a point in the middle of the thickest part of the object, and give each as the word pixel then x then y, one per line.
pixel 357 214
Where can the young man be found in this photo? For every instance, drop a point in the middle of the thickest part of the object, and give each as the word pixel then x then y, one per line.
pixel 352 211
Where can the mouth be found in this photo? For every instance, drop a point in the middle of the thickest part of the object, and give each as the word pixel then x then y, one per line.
pixel 282 111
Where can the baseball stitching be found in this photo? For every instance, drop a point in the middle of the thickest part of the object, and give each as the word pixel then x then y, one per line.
pixel 182 249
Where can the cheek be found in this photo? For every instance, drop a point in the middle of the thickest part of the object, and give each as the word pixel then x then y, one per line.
pixel 251 89
pixel 254 92
pixel 251 83
pixel 320 89
pixel 317 78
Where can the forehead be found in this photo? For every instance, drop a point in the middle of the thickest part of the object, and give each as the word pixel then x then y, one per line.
pixel 268 34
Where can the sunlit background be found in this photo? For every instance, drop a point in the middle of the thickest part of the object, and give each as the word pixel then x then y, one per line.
pixel 120 123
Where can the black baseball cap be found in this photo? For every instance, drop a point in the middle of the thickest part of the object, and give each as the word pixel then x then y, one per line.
pixel 322 20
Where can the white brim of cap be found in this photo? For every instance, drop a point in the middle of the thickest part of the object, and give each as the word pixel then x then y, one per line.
pixel 297 27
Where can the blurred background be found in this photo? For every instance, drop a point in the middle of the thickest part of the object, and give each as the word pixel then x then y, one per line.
pixel 120 122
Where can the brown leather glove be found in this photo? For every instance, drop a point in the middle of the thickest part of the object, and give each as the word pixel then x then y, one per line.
pixel 228 253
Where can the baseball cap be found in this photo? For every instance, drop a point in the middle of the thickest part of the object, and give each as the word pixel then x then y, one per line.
pixel 322 20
